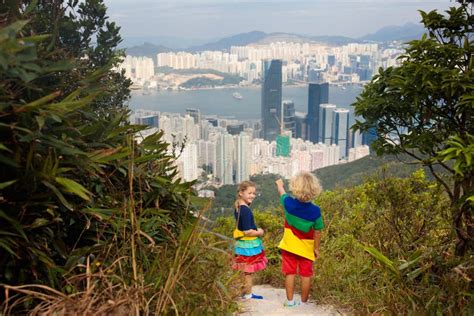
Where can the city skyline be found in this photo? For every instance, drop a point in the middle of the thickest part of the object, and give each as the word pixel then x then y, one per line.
pixel 204 20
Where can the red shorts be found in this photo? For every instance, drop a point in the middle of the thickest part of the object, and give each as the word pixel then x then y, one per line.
pixel 294 264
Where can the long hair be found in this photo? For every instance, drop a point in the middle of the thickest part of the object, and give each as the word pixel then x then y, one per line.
pixel 244 185
pixel 305 186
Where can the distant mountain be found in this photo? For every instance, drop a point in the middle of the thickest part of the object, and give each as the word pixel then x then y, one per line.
pixel 235 40
pixel 405 32
pixel 147 49
pixel 265 38
pixel 173 42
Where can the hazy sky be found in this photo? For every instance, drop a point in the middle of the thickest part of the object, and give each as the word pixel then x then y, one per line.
pixel 205 19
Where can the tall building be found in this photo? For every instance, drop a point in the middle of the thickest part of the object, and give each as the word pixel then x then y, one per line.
pixel 224 163
pixel 271 99
pixel 235 129
pixel 369 136
pixel 188 162
pixel 289 118
pixel 331 60
pixel 340 131
pixel 149 120
pixel 317 94
pixel 242 170
pixel 325 123
pixel 195 114
pixel 300 120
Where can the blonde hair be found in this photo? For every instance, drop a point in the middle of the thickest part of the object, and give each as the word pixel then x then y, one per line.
pixel 244 185
pixel 305 186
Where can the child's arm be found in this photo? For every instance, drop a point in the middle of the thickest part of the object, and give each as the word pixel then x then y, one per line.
pixel 317 242
pixel 253 232
pixel 280 186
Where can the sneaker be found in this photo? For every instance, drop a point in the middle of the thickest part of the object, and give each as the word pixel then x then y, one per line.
pixel 291 304
pixel 251 296
pixel 257 297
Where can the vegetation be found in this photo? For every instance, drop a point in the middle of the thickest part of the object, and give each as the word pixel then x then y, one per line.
pixel 91 221
pixel 425 109
pixel 202 82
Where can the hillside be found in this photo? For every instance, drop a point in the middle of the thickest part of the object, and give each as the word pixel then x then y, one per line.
pixel 332 177
pixel 406 32
pixel 353 173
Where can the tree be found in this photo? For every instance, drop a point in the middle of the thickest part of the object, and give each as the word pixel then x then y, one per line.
pixel 71 173
pixel 425 107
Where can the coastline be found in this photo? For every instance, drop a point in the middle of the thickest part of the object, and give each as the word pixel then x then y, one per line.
pixel 251 86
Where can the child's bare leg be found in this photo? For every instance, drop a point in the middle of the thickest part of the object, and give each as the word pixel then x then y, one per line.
pixel 305 287
pixel 290 286
pixel 248 283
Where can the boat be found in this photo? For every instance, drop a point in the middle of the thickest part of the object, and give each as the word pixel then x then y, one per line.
pixel 237 96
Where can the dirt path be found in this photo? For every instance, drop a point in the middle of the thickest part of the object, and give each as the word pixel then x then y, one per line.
pixel 272 304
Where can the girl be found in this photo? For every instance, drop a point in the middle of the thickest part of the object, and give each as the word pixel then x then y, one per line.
pixel 249 253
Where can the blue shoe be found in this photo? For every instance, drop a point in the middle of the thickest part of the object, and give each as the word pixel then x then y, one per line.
pixel 257 297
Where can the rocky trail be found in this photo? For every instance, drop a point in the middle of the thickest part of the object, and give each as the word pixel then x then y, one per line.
pixel 272 304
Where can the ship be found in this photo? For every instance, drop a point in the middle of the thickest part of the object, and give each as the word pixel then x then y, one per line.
pixel 237 96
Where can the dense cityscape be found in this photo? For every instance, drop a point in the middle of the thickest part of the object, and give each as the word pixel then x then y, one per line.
pixel 301 63
pixel 222 151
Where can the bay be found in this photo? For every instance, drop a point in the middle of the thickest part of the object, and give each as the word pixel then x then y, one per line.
pixel 221 103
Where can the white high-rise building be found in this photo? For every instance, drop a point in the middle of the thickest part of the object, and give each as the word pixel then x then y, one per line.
pixel 189 162
pixel 325 123
pixel 206 155
pixel 224 165
pixel 243 154
pixel 340 131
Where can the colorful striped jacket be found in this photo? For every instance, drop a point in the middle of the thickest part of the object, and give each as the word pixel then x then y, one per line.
pixel 301 220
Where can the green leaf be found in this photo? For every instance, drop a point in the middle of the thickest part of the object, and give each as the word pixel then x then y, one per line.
pixel 13 28
pixel 7 247
pixel 100 212
pixel 6 184
pixel 386 262
pixel 72 186
pixel 38 103
pixel 58 194
pixel 14 223
pixel 3 147
pixel 39 222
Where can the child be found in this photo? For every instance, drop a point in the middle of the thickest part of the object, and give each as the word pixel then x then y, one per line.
pixel 249 253
pixel 301 238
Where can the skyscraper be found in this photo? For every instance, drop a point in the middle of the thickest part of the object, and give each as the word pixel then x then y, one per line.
pixel 317 95
pixel 325 123
pixel 271 99
pixel 195 114
pixel 224 163
pixel 242 152
pixel 289 118
pixel 340 131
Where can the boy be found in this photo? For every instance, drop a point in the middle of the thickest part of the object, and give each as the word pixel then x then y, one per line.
pixel 301 239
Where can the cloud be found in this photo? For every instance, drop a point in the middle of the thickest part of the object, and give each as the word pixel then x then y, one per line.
pixel 215 18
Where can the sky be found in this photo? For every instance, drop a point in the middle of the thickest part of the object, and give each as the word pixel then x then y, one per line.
pixel 213 19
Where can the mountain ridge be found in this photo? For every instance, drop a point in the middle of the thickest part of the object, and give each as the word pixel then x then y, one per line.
pixel 406 32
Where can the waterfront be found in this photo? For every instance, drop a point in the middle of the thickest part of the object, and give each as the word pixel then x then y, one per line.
pixel 220 102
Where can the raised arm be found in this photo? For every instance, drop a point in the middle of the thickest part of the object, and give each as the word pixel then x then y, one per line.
pixel 280 187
